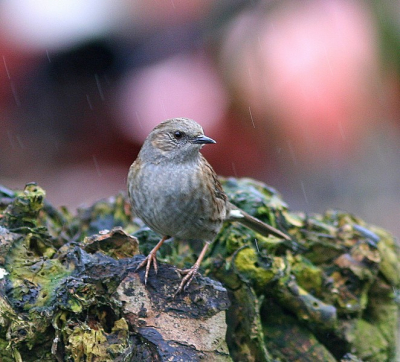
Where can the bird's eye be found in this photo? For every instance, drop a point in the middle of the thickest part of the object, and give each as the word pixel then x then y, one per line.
pixel 178 135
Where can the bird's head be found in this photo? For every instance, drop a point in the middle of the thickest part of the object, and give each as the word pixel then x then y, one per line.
pixel 179 138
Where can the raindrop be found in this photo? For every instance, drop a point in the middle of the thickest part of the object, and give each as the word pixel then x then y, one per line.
pixel 234 169
pixel 20 143
pixel 5 66
pixel 15 94
pixel 89 102
pixel 304 191
pixel 48 56
pixel 251 116
pixel 96 165
pixel 96 76
pixel 138 119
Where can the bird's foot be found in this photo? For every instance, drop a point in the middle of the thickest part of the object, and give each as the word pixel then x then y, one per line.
pixel 187 279
pixel 151 258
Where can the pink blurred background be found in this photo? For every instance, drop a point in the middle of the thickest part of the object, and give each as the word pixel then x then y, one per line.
pixel 304 96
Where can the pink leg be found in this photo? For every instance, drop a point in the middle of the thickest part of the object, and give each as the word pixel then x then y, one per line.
pixel 151 258
pixel 190 273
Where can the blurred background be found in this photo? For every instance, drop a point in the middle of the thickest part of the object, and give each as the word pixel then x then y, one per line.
pixel 304 96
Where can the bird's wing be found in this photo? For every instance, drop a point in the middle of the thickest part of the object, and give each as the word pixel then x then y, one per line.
pixel 217 187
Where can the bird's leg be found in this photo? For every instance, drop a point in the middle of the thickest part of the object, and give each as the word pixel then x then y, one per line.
pixel 151 258
pixel 190 273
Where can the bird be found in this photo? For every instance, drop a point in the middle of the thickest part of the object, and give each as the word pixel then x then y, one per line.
pixel 176 193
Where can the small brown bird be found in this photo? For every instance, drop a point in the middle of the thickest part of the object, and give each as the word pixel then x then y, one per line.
pixel 176 192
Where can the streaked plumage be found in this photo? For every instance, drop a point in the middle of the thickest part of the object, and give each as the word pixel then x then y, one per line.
pixel 176 192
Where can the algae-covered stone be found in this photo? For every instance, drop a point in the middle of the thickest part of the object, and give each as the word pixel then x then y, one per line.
pixel 328 272
pixel 289 340
pixel 25 208
pixel 58 285
pixel 89 341
pixel 33 274
pixel 255 269
pixel 69 289
pixel 368 342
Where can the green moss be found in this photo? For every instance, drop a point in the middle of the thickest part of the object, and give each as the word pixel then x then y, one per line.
pixel 86 342
pixel 287 339
pixel 335 270
pixel 308 276
pixel 252 268
pixel 389 251
pixel 34 276
pixel 5 351
pixel 24 209
pixel 105 215
pixel 369 343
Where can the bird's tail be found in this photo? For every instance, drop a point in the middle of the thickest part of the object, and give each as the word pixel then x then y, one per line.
pixel 236 214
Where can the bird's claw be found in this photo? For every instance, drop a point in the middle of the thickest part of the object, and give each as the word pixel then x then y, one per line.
pixel 151 258
pixel 187 279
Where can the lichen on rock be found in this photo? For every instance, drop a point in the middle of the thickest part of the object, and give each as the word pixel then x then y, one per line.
pixel 69 289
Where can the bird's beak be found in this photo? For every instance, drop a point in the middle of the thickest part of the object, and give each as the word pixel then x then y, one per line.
pixel 203 140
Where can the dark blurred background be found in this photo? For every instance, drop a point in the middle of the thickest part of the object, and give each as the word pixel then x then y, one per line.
pixel 302 95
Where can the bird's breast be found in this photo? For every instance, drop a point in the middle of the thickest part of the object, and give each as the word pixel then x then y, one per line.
pixel 174 200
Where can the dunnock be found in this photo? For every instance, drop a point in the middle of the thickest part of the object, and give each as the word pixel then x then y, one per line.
pixel 176 192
